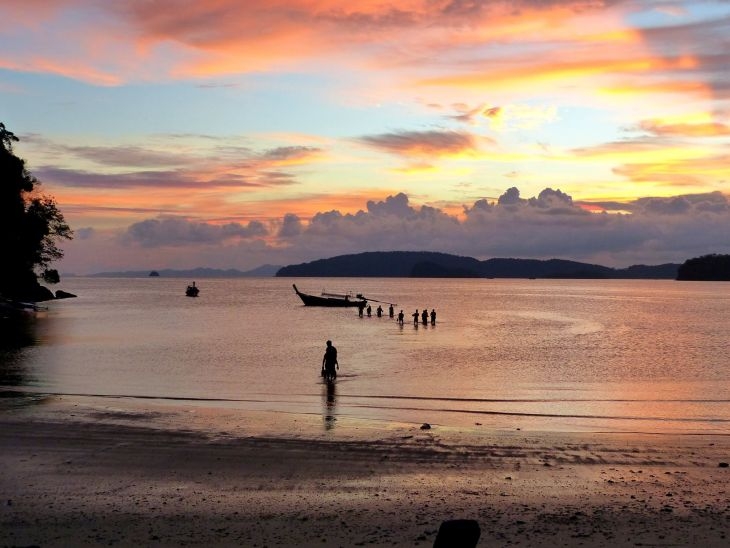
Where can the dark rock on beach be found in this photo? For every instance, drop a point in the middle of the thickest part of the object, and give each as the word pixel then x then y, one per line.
pixel 61 294
pixel 37 294
pixel 458 533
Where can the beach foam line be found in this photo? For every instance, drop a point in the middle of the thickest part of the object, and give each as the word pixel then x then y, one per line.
pixel 5 392
pixel 553 415
pixel 11 391
pixel 536 400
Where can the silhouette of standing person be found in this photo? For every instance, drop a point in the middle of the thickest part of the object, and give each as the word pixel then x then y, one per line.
pixel 370 310
pixel 390 310
pixel 379 311
pixel 424 316
pixel 329 362
pixel 400 317
pixel 433 316
pixel 415 317
pixel 360 308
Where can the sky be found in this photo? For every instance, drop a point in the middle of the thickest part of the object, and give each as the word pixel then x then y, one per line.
pixel 229 134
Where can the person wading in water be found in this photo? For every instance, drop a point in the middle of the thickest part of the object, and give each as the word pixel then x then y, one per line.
pixel 329 362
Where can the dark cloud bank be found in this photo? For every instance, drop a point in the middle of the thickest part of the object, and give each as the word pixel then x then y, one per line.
pixel 550 225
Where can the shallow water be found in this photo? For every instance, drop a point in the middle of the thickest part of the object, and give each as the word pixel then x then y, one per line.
pixel 634 356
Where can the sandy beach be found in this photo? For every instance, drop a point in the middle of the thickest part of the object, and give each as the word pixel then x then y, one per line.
pixel 90 473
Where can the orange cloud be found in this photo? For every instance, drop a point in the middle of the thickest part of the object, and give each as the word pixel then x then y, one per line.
pixel 61 67
pixel 699 173
pixel 709 129
pixel 682 87
pixel 129 40
pixel 532 75
pixel 639 150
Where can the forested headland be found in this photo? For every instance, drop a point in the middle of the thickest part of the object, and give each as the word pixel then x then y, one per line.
pixel 31 227
pixel 713 267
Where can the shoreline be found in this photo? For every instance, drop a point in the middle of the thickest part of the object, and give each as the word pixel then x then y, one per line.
pixel 348 409
pixel 78 474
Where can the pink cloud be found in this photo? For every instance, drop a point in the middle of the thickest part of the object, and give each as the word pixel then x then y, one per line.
pixel 423 143
pixel 118 41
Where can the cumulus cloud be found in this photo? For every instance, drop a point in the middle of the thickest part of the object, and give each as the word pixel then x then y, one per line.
pixel 664 206
pixel 714 202
pixel 650 230
pixel 554 200
pixel 510 197
pixel 181 232
pixel 548 225
pixel 392 205
pixel 291 226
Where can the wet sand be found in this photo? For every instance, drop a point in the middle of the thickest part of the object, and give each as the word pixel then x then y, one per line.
pixel 81 473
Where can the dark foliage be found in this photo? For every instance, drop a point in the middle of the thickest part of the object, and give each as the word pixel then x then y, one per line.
pixel 429 269
pixel 712 267
pixel 30 226
pixel 51 276
pixel 533 268
pixel 667 271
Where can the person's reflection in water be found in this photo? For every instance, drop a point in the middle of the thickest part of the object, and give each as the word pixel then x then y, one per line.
pixel 330 406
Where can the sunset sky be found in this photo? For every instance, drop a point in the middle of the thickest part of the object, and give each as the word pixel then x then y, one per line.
pixel 231 134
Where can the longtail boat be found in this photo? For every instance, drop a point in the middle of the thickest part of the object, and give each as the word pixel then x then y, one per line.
pixel 331 299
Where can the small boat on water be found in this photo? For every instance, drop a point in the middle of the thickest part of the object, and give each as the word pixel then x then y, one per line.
pixel 192 291
pixel 331 299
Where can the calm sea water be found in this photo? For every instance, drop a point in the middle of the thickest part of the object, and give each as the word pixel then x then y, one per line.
pixel 634 356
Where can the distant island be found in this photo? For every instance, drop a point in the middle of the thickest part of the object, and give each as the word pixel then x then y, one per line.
pixel 263 271
pixel 427 264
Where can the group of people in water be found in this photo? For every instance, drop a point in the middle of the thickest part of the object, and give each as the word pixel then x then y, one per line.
pixel 330 365
pixel 424 317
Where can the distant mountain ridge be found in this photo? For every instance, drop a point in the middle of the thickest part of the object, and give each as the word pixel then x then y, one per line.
pixel 263 271
pixel 427 264
pixel 418 264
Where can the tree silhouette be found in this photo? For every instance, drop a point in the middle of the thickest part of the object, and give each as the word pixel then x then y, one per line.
pixel 30 227
pixel 713 267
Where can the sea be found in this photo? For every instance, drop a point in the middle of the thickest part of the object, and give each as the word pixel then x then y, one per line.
pixel 646 356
